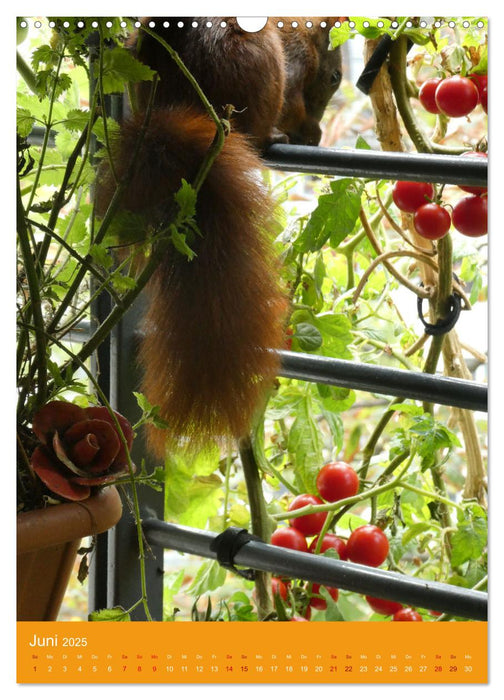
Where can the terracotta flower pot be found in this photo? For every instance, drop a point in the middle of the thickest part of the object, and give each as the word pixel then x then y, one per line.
pixel 47 544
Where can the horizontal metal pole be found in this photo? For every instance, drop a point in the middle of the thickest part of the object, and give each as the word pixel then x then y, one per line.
pixel 386 165
pixel 385 380
pixel 366 377
pixel 257 555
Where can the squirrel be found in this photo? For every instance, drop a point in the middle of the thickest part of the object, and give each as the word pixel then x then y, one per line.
pixel 213 323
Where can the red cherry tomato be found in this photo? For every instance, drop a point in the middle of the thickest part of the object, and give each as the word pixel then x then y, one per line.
pixel 408 196
pixel 317 601
pixel 278 586
pixel 367 545
pixel 456 96
pixel 337 480
pixel 330 542
pixel 474 189
pixel 382 606
pixel 470 215
pixel 290 538
pixel 426 95
pixel 407 615
pixel 298 618
pixel 307 524
pixel 432 221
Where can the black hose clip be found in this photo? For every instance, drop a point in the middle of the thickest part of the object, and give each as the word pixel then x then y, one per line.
pixel 375 62
pixel 228 544
pixel 442 325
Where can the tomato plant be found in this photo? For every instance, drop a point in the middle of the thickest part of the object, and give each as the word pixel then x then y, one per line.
pixel 432 221
pixel 337 480
pixel 456 96
pixel 368 545
pixel 409 196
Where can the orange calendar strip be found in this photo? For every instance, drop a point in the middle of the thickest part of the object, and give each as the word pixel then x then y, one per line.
pixel 250 652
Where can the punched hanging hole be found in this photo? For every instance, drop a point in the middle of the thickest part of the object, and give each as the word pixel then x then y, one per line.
pixel 252 24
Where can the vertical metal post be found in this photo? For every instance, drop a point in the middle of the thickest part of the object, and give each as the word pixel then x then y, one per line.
pixel 123 570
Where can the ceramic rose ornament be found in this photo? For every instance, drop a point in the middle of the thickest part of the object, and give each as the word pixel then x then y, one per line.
pixel 81 448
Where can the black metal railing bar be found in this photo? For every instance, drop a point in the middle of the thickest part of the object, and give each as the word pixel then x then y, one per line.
pixel 383 165
pixel 433 388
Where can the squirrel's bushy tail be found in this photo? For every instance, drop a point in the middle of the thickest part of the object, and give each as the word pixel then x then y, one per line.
pixel 212 321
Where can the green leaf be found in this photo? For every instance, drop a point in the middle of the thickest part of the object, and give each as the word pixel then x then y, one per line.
pixel 408 408
pixel 179 241
pixel 101 255
pixel 338 35
pixel 418 36
pixel 305 445
pixel 24 121
pixel 185 197
pixel 332 612
pixel 334 217
pixel 482 65
pixel 76 120
pixel 127 228
pixel 117 614
pixel 362 144
pixel 336 426
pixel 308 337
pixel 371 31
pixel 414 530
pixel 336 334
pixel 193 492
pixel 113 128
pixel 311 293
pixel 470 539
pixel 120 67
pixel 44 54
pixel 335 399
pixel 122 283
pixel 209 576
pixel 205 497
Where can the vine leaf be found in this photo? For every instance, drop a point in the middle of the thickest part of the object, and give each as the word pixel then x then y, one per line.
pixel 334 217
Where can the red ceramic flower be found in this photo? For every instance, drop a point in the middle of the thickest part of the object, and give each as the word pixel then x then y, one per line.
pixel 81 448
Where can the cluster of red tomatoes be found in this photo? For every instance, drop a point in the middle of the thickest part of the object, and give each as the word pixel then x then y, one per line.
pixel 455 96
pixel 431 219
pixel 367 544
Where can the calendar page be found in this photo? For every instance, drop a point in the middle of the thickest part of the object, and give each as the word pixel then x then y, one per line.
pixel 252 337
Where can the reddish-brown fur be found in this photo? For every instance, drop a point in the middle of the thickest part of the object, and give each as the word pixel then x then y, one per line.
pixel 213 321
